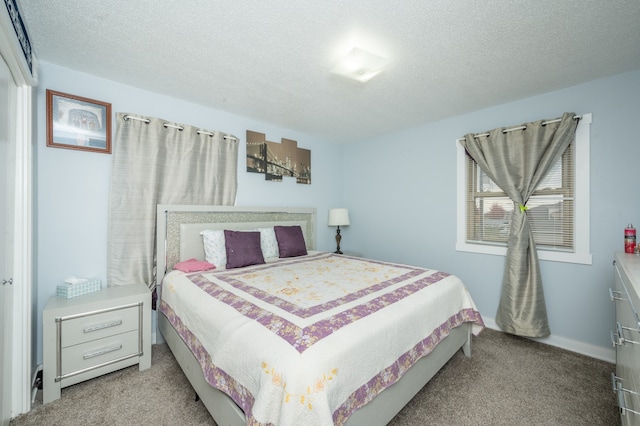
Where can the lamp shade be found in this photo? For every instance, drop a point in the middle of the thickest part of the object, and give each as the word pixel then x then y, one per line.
pixel 338 217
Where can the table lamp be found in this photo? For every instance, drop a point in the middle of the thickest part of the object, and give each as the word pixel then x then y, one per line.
pixel 338 217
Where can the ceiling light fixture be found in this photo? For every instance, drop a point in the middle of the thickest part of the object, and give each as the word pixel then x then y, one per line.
pixel 361 65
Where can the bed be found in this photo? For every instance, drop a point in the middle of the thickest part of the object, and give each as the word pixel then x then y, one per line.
pixel 300 340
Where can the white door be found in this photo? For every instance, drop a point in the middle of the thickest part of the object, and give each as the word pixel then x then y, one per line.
pixel 8 103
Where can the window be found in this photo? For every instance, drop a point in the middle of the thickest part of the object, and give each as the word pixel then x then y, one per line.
pixel 558 210
pixel 550 207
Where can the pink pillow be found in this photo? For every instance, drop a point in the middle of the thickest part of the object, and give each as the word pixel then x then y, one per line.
pixel 290 241
pixel 193 265
pixel 243 249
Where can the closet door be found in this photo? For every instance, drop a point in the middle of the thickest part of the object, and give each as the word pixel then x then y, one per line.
pixel 8 102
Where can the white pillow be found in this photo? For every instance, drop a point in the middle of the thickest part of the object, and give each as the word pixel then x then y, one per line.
pixel 268 242
pixel 215 251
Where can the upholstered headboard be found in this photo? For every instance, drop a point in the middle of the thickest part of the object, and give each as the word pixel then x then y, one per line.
pixel 179 227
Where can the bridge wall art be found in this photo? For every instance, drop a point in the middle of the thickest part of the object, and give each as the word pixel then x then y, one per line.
pixel 277 160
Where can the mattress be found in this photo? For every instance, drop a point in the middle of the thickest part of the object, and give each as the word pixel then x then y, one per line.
pixel 309 340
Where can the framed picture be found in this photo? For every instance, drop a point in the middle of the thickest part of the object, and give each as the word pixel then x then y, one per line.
pixel 74 122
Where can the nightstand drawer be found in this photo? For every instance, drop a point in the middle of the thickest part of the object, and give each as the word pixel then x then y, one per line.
pixel 90 354
pixel 91 327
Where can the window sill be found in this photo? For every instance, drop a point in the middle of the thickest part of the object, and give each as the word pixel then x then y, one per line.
pixel 551 256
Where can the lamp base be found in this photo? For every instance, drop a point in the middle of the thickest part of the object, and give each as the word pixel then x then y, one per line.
pixel 338 238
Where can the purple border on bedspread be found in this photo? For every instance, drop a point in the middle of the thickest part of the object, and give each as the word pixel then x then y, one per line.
pixel 219 379
pixel 303 338
pixel 302 312
pixel 395 371
pixel 215 376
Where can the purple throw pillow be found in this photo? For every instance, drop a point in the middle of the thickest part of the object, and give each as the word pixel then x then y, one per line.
pixel 243 249
pixel 290 241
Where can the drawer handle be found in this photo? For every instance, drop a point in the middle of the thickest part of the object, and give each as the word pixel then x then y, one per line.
pixel 623 327
pixel 102 326
pixel 615 295
pixel 102 352
pixel 615 339
pixel 620 391
pixel 621 339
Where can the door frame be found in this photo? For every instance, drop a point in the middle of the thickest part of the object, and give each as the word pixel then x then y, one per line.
pixel 22 319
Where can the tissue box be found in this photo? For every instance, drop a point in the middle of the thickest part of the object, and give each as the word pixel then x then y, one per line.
pixel 67 291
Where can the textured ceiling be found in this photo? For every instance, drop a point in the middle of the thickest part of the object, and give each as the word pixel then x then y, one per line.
pixel 271 60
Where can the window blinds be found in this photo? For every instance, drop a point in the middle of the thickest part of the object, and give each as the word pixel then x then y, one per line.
pixel 550 209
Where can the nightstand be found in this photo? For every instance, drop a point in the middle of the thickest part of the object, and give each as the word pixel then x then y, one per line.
pixel 94 334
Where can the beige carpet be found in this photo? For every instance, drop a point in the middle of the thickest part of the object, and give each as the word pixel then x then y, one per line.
pixel 507 381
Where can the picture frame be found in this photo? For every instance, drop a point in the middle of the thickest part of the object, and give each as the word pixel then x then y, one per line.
pixel 75 122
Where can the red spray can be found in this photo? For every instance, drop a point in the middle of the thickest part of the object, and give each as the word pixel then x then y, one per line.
pixel 629 239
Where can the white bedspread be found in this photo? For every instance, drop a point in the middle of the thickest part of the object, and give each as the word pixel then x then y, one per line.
pixel 307 341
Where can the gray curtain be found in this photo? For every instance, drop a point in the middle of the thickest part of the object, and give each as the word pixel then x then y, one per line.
pixel 156 163
pixel 517 161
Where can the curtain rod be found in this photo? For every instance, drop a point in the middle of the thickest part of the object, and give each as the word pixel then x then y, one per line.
pixel 544 123
pixel 200 132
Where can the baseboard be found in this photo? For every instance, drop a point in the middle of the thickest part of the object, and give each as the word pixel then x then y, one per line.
pixel 593 351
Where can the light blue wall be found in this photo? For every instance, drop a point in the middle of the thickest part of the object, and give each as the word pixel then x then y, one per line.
pixel 401 193
pixel 400 190
pixel 73 186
